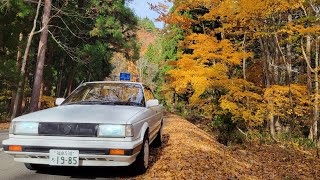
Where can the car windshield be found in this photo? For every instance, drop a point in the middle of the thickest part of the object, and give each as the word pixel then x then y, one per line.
pixel 126 94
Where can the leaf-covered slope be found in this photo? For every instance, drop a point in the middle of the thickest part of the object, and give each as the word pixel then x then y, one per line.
pixel 190 153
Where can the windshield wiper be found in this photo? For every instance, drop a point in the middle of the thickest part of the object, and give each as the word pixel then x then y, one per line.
pixel 127 103
pixel 91 102
pixel 123 103
pixel 71 103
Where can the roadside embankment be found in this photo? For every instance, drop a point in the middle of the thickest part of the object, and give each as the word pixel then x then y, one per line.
pixel 190 153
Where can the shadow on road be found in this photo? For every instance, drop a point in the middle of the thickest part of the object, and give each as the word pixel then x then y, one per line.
pixel 104 172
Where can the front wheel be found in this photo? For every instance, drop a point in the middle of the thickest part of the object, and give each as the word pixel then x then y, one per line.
pixel 32 167
pixel 142 162
pixel 157 142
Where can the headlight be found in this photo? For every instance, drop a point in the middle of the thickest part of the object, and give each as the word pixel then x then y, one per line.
pixel 25 128
pixel 108 130
pixel 129 130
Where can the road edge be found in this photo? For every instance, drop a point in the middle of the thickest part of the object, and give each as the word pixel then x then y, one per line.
pixel 4 131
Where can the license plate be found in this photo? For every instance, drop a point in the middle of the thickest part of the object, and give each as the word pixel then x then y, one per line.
pixel 64 157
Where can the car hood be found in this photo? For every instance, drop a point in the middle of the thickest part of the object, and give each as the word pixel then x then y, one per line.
pixel 84 114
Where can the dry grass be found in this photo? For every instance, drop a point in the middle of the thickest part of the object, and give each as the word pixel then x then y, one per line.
pixel 190 153
pixel 4 126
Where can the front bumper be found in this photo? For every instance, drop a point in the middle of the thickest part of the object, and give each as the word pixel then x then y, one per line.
pixel 92 151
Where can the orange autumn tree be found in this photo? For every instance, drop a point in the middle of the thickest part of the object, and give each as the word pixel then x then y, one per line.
pixel 261 21
pixel 279 96
pixel 217 34
pixel 245 103
pixel 208 65
pixel 292 28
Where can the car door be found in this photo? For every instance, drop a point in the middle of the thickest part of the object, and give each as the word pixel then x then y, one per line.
pixel 155 122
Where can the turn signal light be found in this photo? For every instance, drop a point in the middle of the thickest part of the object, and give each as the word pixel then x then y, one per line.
pixel 15 148
pixel 116 152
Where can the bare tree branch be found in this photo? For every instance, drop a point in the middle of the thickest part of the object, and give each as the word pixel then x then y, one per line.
pixel 305 57
pixel 70 51
pixel 74 34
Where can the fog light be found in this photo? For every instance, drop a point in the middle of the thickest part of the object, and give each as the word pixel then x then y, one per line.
pixel 15 148
pixel 116 152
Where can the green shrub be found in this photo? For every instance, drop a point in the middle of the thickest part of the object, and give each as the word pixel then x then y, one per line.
pixel 227 131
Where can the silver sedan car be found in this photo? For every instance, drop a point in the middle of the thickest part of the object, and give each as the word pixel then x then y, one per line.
pixel 100 124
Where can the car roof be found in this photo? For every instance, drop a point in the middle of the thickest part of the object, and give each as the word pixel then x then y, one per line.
pixel 115 82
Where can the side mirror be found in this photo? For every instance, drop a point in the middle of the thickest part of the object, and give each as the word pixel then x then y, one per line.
pixel 152 102
pixel 59 101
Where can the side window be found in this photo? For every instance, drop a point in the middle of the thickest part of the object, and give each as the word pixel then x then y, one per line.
pixel 148 93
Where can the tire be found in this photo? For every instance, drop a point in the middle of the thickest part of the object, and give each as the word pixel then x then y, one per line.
pixel 32 167
pixel 142 162
pixel 157 142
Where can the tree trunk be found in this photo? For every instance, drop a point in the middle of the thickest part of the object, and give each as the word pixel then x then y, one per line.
pixel 314 126
pixel 266 55
pixel 60 80
pixel 309 81
pixel 70 80
pixel 276 70
pixel 287 63
pixel 69 85
pixel 47 83
pixel 289 57
pixel 308 53
pixel 23 66
pixel 265 63
pixel 244 59
pixel 40 96
pixel 19 54
pixel 18 66
pixel 40 57
pixel 289 80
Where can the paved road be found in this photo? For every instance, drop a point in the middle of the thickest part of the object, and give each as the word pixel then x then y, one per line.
pixel 3 136
pixel 10 169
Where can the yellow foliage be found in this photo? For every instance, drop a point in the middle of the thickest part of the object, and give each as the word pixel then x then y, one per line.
pixel 207 64
pixel 207 49
pixel 48 101
pixel 278 98
pixel 207 67
pixel 292 29
pixel 244 104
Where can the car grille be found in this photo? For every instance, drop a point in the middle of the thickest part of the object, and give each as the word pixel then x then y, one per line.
pixel 81 150
pixel 68 129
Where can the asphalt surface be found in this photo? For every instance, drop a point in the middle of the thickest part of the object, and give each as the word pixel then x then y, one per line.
pixel 9 169
pixel 3 136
